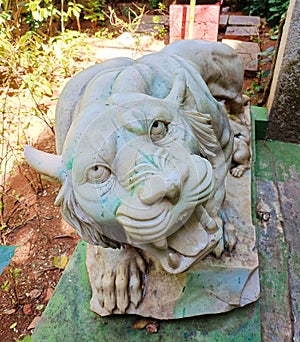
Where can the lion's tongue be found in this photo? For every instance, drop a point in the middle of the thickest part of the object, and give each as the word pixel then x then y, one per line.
pixel 191 239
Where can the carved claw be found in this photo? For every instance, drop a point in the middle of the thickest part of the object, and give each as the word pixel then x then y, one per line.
pixel 120 279
pixel 239 170
pixel 219 249
pixel 229 236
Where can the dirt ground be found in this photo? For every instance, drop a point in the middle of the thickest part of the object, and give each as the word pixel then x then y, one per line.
pixel 45 242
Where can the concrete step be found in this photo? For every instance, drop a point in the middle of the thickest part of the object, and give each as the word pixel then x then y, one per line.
pixel 243 20
pixel 244 33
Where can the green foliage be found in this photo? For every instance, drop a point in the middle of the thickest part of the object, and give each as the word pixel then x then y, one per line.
pixel 6 253
pixel 39 11
pixel 267 55
pixel 272 10
pixel 154 4
pixel 94 11
pixel 10 285
pixel 32 67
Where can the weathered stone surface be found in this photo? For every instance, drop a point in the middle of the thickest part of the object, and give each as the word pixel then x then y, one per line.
pixel 241 32
pixel 247 51
pixel 243 20
pixel 206 22
pixel 284 99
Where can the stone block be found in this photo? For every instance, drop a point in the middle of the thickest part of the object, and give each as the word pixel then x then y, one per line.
pixel 241 32
pixel 223 21
pixel 152 23
pixel 242 20
pixel 247 51
pixel 206 22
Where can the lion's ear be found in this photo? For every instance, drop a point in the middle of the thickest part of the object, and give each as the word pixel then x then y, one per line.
pixel 178 91
pixel 45 163
pixel 202 127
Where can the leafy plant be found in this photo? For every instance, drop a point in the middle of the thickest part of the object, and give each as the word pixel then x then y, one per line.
pixel 31 68
pixel 134 17
pixel 94 11
pixel 39 11
pixel 10 285
pixel 272 10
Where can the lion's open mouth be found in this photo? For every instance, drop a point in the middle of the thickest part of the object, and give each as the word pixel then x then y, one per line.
pixel 189 241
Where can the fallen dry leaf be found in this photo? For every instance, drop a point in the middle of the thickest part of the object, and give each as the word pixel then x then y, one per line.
pixel 9 312
pixel 34 322
pixel 49 293
pixel 35 293
pixel 142 323
pixel 60 261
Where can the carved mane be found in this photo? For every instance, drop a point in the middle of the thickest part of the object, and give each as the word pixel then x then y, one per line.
pixel 87 228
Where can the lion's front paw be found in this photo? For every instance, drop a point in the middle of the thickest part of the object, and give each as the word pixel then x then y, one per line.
pixel 120 279
pixel 239 170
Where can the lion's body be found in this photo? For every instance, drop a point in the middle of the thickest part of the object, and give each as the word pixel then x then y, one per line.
pixel 144 149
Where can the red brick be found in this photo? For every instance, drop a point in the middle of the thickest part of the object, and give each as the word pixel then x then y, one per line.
pixel 206 22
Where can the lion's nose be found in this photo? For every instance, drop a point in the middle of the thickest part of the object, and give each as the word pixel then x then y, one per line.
pixel 158 187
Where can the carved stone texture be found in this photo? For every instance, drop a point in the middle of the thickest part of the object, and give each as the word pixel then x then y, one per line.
pixel 144 149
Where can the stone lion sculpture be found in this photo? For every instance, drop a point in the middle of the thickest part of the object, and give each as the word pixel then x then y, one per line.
pixel 143 150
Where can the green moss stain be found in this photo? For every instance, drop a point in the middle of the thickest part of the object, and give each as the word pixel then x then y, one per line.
pixel 69 164
pixel 277 161
pixel 68 318
pixel 203 289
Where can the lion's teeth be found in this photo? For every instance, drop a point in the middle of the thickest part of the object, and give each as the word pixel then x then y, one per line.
pixel 173 260
pixel 161 244
pixel 211 226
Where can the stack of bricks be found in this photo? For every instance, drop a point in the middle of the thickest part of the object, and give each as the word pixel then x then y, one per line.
pixel 206 20
pixel 241 32
pixel 241 27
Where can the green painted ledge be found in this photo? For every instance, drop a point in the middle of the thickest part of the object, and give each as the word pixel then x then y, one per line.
pixel 68 318
pixel 276 192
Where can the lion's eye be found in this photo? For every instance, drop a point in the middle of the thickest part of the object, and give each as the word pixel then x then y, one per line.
pixel 98 174
pixel 158 130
